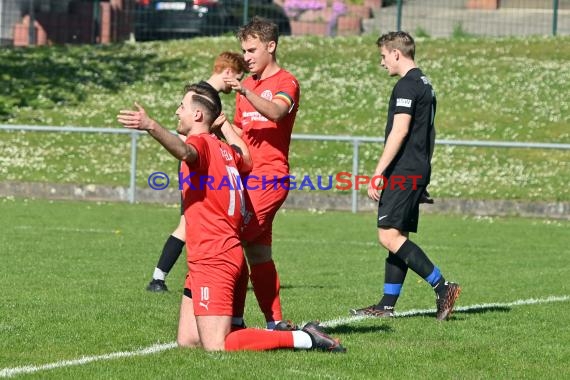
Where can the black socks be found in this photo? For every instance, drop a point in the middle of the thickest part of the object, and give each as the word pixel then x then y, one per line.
pixel 170 253
pixel 417 260
pixel 395 271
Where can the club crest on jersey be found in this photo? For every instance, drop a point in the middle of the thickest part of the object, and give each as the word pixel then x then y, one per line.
pixel 267 95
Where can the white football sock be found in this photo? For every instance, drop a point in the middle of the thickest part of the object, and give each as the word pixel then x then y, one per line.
pixel 302 340
pixel 159 275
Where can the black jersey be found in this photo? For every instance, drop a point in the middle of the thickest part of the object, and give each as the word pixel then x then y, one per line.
pixel 413 94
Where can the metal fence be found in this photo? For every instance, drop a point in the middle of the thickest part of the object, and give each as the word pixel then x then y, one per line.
pixel 44 22
pixel 355 141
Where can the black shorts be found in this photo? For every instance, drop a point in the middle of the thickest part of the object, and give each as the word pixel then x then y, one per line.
pixel 400 208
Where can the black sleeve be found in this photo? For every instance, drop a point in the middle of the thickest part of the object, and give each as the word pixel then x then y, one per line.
pixel 405 95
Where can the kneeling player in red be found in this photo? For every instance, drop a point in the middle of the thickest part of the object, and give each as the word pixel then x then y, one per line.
pixel 213 201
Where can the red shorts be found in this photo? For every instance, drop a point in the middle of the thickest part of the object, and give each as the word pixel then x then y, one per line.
pixel 262 201
pixel 213 281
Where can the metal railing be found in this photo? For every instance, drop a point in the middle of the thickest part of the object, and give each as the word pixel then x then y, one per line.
pixel 356 141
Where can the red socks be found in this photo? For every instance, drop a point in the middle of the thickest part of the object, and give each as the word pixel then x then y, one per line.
pixel 258 340
pixel 266 287
pixel 240 292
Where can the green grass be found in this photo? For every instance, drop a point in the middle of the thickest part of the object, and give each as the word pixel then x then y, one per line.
pixel 507 89
pixel 73 278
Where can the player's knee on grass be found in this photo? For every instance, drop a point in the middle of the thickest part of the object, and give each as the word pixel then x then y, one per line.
pixel 188 341
pixel 187 328
pixel 213 330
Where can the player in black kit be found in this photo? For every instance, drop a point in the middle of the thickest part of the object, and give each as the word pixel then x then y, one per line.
pixel 403 173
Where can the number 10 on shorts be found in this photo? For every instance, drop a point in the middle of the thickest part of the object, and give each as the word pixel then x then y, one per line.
pixel 204 293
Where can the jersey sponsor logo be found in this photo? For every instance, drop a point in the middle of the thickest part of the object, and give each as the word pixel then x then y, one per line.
pixel 267 94
pixel 252 116
pixel 382 217
pixel 204 304
pixel 401 102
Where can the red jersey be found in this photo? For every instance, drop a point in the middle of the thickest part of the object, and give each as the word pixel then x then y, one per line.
pixel 212 197
pixel 268 141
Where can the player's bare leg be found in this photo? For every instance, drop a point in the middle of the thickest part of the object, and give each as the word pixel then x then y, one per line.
pixel 207 331
pixel 391 238
pixel 213 330
pixel 187 329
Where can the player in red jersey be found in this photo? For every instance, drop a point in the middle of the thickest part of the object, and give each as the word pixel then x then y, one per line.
pixel 226 64
pixel 212 200
pixel 266 107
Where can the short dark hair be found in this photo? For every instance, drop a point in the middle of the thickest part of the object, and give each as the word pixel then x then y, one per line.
pixel 402 41
pixel 206 97
pixel 261 28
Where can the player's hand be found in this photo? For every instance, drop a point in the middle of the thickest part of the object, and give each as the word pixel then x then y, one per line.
pixel 217 124
pixel 426 198
pixel 135 119
pixel 374 187
pixel 234 84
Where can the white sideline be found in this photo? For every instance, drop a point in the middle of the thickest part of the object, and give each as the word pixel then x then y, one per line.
pixel 10 372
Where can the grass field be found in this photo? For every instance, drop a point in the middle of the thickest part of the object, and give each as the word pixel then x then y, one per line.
pixel 488 89
pixel 73 277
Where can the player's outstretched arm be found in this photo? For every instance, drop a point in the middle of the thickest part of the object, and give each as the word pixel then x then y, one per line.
pixel 140 120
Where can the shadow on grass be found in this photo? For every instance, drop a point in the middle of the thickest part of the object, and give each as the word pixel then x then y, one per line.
pixel 301 286
pixel 356 329
pixel 51 76
pixel 482 310
pixel 305 286
pixel 458 311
